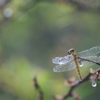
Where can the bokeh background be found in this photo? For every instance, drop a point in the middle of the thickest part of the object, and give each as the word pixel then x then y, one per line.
pixel 32 32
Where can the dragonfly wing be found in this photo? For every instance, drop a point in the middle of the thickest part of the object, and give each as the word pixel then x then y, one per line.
pixel 62 60
pixel 64 67
pixel 90 52
pixel 87 63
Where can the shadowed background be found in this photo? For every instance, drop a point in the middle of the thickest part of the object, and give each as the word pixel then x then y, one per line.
pixel 32 32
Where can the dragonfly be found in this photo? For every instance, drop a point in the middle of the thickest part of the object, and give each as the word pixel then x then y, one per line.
pixel 76 60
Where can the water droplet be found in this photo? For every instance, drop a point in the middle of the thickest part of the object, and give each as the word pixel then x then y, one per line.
pixel 94 84
pixel 59 60
pixel 56 60
pixel 81 64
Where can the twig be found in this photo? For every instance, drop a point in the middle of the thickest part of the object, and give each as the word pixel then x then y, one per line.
pixel 37 87
pixel 77 83
pixel 89 60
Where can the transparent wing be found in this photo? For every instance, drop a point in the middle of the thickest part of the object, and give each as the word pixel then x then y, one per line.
pixel 65 67
pixel 90 52
pixel 62 60
pixel 87 63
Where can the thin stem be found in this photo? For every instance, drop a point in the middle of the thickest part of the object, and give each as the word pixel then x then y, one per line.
pixel 89 60
pixel 36 85
pixel 77 83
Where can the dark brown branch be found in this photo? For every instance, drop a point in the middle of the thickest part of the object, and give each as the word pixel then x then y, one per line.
pixel 77 83
pixel 89 60
pixel 37 87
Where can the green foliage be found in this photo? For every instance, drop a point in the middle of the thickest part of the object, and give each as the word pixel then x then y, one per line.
pixel 36 32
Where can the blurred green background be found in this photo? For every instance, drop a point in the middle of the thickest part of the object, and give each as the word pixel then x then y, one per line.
pixel 32 32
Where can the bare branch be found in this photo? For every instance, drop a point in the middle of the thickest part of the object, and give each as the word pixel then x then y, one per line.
pixel 77 83
pixel 37 87
pixel 89 60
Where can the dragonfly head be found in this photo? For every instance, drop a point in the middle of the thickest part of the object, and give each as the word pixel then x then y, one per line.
pixel 70 51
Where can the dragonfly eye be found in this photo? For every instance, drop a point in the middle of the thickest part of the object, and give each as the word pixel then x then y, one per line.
pixel 70 51
pixel 81 63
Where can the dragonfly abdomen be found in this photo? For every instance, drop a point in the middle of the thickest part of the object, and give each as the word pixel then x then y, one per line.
pixel 77 66
pixel 78 70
